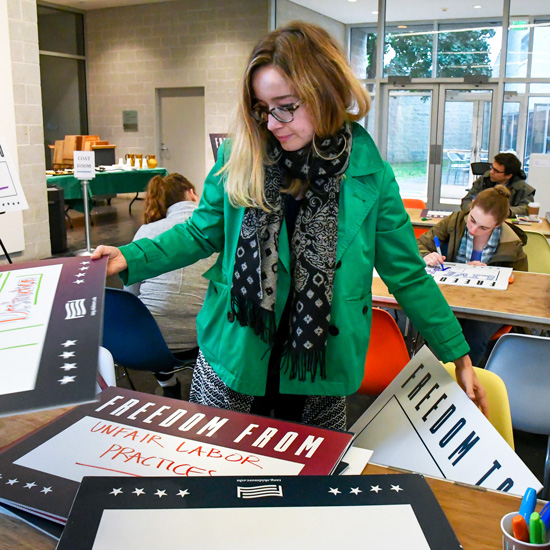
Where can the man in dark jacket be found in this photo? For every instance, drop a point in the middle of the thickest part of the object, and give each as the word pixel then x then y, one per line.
pixel 506 170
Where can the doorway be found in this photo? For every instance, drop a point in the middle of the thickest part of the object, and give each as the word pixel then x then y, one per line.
pixel 433 132
pixel 181 119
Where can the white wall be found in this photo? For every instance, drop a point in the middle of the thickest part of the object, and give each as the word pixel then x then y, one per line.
pixel 21 120
pixel 289 11
pixel 132 51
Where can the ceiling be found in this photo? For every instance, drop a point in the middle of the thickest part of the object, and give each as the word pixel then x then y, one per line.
pixel 360 11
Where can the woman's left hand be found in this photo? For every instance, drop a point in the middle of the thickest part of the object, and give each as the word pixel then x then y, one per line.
pixel 468 381
pixel 477 262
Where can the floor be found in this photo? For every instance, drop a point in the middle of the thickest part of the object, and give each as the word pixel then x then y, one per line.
pixel 113 225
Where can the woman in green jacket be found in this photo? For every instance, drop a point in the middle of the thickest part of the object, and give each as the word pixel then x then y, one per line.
pixel 301 208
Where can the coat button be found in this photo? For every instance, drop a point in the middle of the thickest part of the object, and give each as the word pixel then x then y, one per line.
pixel 230 316
pixel 365 310
pixel 333 330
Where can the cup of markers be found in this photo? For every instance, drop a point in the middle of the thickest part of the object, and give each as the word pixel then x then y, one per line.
pixel 526 528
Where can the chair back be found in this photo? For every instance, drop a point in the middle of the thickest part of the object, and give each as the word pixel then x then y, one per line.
pixel 414 203
pixel 497 399
pixel 387 353
pixel 521 361
pixel 479 168
pixel 106 376
pixel 538 252
pixel 132 335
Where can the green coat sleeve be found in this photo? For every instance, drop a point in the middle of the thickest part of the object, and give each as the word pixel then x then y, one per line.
pixel 199 237
pixel 403 270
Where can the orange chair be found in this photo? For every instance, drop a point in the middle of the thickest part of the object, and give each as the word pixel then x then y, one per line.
pixel 387 353
pixel 414 203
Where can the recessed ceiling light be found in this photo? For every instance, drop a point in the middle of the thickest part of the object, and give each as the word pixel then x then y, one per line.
pixel 374 12
pixel 477 7
pixel 352 0
pixel 401 26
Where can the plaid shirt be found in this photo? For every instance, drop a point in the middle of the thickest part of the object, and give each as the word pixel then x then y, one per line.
pixel 467 247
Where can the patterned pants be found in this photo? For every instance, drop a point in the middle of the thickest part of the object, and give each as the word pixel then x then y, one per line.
pixel 207 388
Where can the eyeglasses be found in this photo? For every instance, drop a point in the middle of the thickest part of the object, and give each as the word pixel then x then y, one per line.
pixel 493 169
pixel 284 113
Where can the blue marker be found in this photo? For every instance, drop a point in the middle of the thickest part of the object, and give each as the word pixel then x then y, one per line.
pixel 528 503
pixel 545 515
pixel 438 248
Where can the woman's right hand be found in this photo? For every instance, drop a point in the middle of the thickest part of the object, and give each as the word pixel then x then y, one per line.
pixel 433 259
pixel 117 261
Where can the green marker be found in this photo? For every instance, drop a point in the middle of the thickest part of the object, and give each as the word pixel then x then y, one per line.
pixel 536 535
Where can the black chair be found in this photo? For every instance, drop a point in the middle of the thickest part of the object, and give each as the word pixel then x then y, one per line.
pixel 133 337
pixel 479 168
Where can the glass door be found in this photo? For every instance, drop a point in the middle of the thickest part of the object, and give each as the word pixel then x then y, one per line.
pixel 432 134
pixel 464 130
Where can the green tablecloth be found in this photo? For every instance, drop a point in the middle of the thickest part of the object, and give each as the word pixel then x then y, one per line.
pixel 107 183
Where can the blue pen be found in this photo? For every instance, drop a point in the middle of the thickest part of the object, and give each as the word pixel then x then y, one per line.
pixel 528 503
pixel 438 247
pixel 545 515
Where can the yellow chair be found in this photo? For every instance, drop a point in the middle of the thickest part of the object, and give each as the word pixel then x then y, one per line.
pixel 497 399
pixel 538 252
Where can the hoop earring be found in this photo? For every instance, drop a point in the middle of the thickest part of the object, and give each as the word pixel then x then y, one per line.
pixel 335 156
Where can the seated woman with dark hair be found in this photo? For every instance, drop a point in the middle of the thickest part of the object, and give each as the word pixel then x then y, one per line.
pixel 478 237
pixel 174 298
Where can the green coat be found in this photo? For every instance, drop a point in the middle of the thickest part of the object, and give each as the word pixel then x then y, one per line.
pixel 373 230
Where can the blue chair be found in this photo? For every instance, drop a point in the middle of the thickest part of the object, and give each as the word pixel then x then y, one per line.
pixel 133 337
pixel 522 361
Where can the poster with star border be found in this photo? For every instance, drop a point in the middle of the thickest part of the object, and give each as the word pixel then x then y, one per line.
pixel 386 512
pixel 51 317
pixel 133 434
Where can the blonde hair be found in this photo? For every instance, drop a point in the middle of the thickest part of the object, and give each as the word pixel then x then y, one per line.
pixel 320 76
pixel 162 193
pixel 494 201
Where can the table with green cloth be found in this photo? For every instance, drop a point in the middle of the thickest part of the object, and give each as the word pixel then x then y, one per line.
pixel 105 183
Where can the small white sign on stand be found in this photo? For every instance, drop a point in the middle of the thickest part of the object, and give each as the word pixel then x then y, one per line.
pixel 84 165
pixel 84 170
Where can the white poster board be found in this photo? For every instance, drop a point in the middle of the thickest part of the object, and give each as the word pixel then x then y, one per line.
pixel 12 197
pixel 539 178
pixel 424 422
pixel 475 276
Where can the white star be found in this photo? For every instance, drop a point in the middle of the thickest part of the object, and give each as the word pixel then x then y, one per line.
pixel 396 488
pixel 78 282
pixel 68 343
pixel 30 485
pixel 116 491
pixel 84 268
pixel 138 492
pixel 68 366
pixel 183 493
pixel 160 493
pixel 334 491
pixel 0 476
pixel 66 380
pixel 46 490
pixel 356 491
pixel 80 275
pixel 12 482
pixel 67 354
pixel 84 263
pixel 375 488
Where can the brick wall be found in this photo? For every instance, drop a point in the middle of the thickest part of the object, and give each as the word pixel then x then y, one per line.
pixel 28 124
pixel 133 50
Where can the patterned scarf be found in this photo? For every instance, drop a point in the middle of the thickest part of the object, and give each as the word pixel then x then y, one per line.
pixel 313 253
